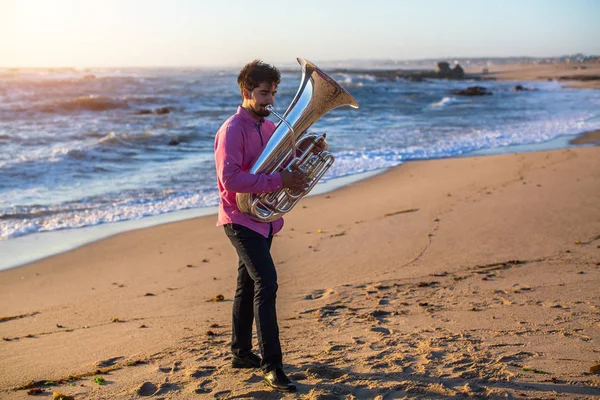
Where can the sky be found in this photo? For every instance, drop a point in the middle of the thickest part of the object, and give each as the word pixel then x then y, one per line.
pixel 86 33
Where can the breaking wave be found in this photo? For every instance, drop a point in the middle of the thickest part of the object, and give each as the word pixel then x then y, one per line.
pixel 87 103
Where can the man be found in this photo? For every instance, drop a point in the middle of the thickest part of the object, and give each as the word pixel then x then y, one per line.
pixel 238 144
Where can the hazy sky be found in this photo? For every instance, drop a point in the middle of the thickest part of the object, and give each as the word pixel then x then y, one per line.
pixel 232 32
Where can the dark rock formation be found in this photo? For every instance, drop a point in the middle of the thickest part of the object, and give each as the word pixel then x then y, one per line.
pixel 457 72
pixel 443 71
pixel 159 111
pixel 520 88
pixel 473 91
pixel 443 68
pixel 162 110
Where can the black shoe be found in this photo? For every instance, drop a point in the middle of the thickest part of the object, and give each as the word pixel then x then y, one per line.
pixel 278 380
pixel 249 361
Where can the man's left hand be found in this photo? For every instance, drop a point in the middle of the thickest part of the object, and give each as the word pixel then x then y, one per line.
pixel 321 145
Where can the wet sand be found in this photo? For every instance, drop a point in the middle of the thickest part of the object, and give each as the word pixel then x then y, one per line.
pixel 591 137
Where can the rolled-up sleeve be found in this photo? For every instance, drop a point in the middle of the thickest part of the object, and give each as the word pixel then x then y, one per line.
pixel 229 153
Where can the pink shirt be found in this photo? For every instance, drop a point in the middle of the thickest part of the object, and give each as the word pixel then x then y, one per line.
pixel 238 144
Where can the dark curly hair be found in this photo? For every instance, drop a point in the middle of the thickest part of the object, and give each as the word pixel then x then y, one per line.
pixel 256 72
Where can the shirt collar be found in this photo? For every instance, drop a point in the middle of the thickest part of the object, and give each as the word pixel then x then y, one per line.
pixel 249 118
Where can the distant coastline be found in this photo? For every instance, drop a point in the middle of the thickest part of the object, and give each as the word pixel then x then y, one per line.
pixel 469 63
pixel 578 71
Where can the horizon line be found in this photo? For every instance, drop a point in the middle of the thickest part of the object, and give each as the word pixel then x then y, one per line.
pixel 348 60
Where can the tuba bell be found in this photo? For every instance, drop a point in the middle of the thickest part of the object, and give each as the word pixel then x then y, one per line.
pixel 317 95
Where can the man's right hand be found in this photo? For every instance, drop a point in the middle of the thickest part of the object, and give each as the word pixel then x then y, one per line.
pixel 294 180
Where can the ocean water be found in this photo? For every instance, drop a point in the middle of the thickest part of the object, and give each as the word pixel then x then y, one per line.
pixel 89 147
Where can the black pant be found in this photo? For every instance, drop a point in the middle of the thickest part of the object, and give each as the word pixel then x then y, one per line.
pixel 255 296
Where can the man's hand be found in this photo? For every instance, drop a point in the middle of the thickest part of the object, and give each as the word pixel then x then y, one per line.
pixel 320 145
pixel 294 180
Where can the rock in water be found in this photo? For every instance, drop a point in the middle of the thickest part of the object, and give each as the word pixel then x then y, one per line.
pixel 473 91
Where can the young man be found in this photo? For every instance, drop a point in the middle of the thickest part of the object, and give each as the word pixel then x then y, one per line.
pixel 238 143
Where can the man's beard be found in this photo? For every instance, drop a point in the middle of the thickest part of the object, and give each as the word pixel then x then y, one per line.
pixel 261 111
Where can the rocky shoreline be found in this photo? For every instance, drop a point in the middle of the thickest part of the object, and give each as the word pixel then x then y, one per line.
pixel 586 75
pixel 443 71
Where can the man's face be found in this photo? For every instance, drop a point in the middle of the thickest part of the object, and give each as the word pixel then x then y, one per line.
pixel 258 99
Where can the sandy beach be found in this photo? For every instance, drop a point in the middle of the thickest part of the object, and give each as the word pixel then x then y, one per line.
pixel 473 276
pixel 584 75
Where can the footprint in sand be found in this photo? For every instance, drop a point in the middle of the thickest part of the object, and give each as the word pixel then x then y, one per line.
pixel 167 387
pixel 108 362
pixel 380 329
pixel 380 314
pixel 147 389
pixel 376 346
pixel 170 369
pixel 202 371
pixel 380 365
pixel 381 287
pixel 520 356
pixel 330 310
pixel 317 294
pixel 205 386
pixel 336 348
pixel 259 394
pixel 324 372
pixel 254 378
pixel 298 376
pixel 223 394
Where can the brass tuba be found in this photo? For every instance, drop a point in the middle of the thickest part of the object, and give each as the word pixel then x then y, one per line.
pixel 317 95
